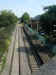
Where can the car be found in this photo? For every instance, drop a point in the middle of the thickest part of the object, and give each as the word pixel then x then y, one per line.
pixel 42 33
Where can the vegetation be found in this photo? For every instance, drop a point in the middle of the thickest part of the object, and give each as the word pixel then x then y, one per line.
pixel 25 18
pixel 7 18
pixel 7 25
pixel 48 19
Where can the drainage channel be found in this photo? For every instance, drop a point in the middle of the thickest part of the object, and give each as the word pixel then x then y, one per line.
pixel 34 59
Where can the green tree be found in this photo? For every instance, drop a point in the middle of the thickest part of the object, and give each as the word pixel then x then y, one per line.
pixel 48 19
pixel 25 18
pixel 7 18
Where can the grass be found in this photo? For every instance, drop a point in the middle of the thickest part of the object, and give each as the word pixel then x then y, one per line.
pixel 3 61
pixel 5 39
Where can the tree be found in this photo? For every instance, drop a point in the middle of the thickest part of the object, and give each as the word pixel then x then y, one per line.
pixel 48 19
pixel 7 18
pixel 25 18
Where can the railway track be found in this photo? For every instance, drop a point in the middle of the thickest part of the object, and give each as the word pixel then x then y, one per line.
pixel 13 59
pixel 19 52
pixel 24 67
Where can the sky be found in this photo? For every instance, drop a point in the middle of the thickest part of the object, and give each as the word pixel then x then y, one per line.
pixel 33 7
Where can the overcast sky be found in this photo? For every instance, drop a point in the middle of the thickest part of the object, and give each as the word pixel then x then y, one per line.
pixel 33 7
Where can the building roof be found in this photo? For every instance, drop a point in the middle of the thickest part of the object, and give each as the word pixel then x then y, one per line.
pixel 36 18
